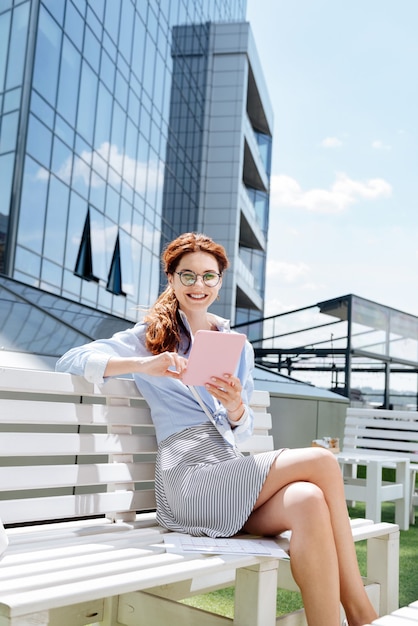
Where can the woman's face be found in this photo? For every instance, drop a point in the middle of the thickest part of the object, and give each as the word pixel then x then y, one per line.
pixel 199 296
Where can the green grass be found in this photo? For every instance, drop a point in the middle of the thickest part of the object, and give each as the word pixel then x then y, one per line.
pixel 222 601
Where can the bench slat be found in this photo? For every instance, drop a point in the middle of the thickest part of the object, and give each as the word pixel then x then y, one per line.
pixel 39 412
pixel 53 476
pixel 80 505
pixel 53 444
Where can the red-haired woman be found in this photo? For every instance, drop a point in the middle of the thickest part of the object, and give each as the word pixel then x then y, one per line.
pixel 204 485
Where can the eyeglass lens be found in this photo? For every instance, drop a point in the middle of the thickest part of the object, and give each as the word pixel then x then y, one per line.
pixel 211 279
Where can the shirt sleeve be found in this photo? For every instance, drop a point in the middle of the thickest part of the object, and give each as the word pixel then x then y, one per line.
pixel 245 374
pixel 90 360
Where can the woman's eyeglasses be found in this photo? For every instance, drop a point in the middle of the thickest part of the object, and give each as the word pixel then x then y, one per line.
pixel 188 278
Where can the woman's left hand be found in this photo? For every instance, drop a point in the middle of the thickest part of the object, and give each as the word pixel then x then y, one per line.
pixel 227 390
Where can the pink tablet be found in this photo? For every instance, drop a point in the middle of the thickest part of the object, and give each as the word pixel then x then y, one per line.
pixel 213 354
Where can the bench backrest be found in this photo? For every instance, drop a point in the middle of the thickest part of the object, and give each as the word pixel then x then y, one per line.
pixel 71 449
pixel 379 430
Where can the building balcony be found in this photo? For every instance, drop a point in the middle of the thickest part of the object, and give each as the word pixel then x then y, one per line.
pixel 254 174
pixel 248 296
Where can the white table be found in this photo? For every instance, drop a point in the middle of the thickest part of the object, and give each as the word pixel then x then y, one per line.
pixel 372 489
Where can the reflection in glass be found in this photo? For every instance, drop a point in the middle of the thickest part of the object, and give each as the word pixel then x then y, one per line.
pixel 69 77
pixel 27 262
pixel 39 141
pixel 56 219
pixel 17 45
pixel 51 273
pixel 8 132
pixel 33 206
pixel 11 99
pixel 42 109
pixel 45 71
pixel 74 25
pixel 103 117
pixel 87 102
pixel 76 216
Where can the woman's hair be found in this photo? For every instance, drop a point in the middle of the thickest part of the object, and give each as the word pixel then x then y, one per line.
pixel 163 319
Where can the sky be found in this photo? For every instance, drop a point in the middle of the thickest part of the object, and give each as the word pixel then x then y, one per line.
pixel 342 77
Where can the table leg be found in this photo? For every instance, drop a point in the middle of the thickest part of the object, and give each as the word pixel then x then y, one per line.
pixel 374 491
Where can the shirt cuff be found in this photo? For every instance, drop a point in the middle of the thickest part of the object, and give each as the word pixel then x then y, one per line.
pixel 95 368
pixel 242 419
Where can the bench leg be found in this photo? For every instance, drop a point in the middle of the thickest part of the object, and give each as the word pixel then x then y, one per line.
pixel 255 595
pixel 402 506
pixel 412 497
pixel 374 492
pixel 383 568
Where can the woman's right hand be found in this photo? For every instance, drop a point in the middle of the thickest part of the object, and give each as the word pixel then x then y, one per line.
pixel 165 364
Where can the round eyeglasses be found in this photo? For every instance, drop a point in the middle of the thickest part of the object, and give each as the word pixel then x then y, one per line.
pixel 188 278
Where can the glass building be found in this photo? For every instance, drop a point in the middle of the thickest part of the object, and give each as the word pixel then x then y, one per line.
pixel 123 124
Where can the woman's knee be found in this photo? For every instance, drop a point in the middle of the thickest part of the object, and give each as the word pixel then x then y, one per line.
pixel 326 462
pixel 307 499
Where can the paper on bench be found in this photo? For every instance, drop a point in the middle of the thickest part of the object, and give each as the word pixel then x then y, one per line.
pixel 179 542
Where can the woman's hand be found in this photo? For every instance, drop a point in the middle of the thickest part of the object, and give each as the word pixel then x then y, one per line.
pixel 228 391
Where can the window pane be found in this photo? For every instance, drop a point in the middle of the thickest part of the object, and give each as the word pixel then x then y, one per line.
pixel 74 25
pixel 107 71
pixel 47 57
pixel 17 47
pixel 138 47
pixel 56 8
pixel 126 27
pixel 27 262
pixel 69 77
pixel 56 219
pixel 62 160
pixel 51 273
pixel 118 134
pixel 42 110
pixel 32 206
pixel 39 141
pixel 6 178
pixel 4 43
pixel 103 117
pixel 112 19
pixel 8 132
pixel 12 100
pixel 87 102
pixel 78 211
pixel 92 49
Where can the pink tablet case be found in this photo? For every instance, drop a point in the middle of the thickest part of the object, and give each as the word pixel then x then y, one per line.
pixel 213 354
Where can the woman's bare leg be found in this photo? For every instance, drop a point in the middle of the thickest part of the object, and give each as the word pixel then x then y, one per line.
pixel 304 492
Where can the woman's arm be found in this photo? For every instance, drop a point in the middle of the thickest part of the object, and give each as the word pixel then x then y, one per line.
pixel 124 353
pixel 165 364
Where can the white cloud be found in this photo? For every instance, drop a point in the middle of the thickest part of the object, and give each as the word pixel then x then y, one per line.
pixel 109 163
pixel 287 272
pixel 286 191
pixel 379 145
pixel 331 142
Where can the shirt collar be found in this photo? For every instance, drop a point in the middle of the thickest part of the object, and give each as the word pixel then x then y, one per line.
pixel 222 324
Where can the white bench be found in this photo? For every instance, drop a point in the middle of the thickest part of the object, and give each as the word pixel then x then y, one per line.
pixel 374 433
pixel 405 616
pixel 77 500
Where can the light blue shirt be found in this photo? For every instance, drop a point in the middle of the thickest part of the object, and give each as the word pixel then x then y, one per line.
pixel 173 407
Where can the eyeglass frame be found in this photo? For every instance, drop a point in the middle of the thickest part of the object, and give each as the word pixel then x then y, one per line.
pixel 202 276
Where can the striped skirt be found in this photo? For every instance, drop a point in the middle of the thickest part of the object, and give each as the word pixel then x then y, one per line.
pixel 204 486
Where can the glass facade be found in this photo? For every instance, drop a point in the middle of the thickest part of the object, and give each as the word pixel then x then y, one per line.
pixel 85 90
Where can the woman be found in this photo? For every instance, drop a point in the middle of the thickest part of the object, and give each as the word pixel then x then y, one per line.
pixel 204 486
